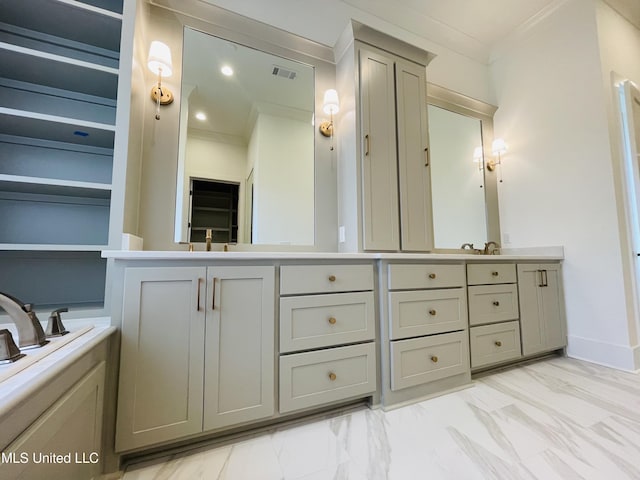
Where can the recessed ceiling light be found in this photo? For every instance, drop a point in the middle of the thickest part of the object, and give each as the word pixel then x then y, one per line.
pixel 201 116
pixel 227 70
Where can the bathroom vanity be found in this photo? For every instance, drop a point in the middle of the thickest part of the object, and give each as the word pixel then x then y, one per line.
pixel 219 342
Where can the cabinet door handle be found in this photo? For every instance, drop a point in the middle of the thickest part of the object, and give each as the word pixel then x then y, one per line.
pixel 546 280
pixel 199 288
pixel 427 160
pixel 541 282
pixel 366 145
pixel 496 303
pixel 213 294
pixel 498 343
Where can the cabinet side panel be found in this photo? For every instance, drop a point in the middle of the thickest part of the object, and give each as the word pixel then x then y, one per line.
pixel 379 160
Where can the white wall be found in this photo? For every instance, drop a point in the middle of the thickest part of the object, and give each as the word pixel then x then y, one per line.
pixel 558 176
pixel 283 181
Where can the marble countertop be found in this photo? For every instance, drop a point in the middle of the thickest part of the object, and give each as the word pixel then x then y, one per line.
pixel 17 383
pixel 536 253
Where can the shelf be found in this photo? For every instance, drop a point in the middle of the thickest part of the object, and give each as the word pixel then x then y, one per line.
pixel 46 186
pixel 42 68
pixel 67 19
pixel 51 127
pixel 43 247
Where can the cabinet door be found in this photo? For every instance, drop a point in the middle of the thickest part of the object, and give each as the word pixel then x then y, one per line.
pixel 541 319
pixel 416 222
pixel 161 366
pixel 379 159
pixel 239 346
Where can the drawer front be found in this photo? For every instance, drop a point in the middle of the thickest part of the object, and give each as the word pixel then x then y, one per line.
pixel 325 376
pixel 425 276
pixel 422 360
pixel 425 312
pixel 316 321
pixel 494 343
pixel 493 303
pixel 298 279
pixel 491 273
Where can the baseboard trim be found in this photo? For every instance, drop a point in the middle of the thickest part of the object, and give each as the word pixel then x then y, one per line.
pixel 621 357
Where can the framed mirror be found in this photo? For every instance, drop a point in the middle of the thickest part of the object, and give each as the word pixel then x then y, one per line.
pixel 464 193
pixel 246 145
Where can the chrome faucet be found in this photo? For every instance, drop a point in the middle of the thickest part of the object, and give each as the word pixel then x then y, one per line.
pixel 490 248
pixel 30 332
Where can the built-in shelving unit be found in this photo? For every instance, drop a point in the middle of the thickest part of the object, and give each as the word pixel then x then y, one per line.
pixel 59 67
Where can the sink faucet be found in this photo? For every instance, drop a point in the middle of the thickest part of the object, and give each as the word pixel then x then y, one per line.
pixel 490 248
pixel 30 332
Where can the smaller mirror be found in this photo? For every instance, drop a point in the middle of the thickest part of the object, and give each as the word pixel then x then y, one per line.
pixel 457 177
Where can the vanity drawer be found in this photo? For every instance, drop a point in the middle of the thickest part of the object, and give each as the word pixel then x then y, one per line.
pixel 491 273
pixel 324 376
pixel 493 303
pixel 316 321
pixel 425 312
pixel 298 279
pixel 426 359
pixel 403 277
pixel 494 343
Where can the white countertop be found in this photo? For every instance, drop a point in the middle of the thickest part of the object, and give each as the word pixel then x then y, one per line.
pixel 18 386
pixel 536 253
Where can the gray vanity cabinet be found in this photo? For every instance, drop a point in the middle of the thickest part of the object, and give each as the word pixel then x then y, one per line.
pixel 197 351
pixel 542 319
pixel 396 182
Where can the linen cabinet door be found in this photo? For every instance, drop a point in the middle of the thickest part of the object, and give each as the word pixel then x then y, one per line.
pixel 161 363
pixel 531 320
pixel 239 382
pixel 380 223
pixel 416 219
pixel 552 307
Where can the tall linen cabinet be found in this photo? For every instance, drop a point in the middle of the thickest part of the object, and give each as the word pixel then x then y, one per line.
pixel 384 184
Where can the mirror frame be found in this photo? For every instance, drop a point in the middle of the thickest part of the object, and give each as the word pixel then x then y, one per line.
pixel 216 21
pixel 470 107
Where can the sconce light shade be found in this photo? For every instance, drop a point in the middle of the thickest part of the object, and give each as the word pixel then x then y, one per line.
pixel 331 103
pixel 159 61
pixel 498 147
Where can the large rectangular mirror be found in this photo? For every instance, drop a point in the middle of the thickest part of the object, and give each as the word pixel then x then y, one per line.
pixel 464 196
pixel 246 145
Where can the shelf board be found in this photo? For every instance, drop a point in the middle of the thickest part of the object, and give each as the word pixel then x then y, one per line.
pixel 67 19
pixel 42 68
pixel 33 247
pixel 47 186
pixel 50 127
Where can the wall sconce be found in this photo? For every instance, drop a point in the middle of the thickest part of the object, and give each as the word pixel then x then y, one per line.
pixel 159 62
pixel 330 105
pixel 498 147
pixel 478 157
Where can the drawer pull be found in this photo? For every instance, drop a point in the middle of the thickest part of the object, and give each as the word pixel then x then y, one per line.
pixel 432 276
pixel 498 343
pixel 332 320
pixel 496 303
pixel 432 313
pixel 495 274
pixel 332 278
pixel 332 376
pixel 434 359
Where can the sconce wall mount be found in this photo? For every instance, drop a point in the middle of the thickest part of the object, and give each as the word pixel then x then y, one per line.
pixel 159 62
pixel 330 106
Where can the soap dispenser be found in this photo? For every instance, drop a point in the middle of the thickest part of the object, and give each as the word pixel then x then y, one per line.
pixel 55 328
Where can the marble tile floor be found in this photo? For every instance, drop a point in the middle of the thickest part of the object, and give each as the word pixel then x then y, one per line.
pixel 558 418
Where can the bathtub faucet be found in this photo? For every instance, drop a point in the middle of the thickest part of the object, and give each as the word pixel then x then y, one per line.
pixel 30 332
